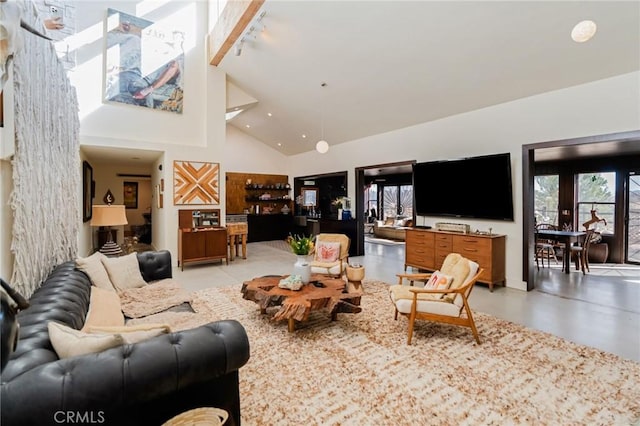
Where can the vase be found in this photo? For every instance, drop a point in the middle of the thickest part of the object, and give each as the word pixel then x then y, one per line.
pixel 302 267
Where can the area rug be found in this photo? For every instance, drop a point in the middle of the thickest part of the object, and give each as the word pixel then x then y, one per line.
pixel 359 370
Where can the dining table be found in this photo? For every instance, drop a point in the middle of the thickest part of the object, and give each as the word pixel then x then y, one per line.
pixel 566 237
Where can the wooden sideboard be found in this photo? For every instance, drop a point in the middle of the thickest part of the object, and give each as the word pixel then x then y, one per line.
pixel 426 249
pixel 200 236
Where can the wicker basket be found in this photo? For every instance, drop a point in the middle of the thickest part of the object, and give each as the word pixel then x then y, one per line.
pixel 205 416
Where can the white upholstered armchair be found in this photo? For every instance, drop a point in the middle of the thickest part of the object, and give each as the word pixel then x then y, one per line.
pixel 444 298
pixel 330 254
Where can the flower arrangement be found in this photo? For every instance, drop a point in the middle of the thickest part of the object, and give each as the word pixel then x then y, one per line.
pixel 300 244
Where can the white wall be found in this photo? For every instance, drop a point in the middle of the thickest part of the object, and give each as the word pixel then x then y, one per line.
pixel 605 106
pixel 245 154
pixel 197 134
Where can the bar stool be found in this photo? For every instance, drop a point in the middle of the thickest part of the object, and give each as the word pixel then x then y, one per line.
pixel 237 233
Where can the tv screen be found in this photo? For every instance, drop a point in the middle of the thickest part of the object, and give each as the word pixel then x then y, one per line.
pixel 474 187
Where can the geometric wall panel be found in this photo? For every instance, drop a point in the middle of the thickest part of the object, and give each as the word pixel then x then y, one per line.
pixel 195 183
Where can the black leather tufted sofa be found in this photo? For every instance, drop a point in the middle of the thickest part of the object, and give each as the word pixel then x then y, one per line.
pixel 142 384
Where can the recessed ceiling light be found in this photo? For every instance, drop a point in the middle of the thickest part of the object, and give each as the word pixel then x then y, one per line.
pixel 583 31
pixel 269 114
pixel 279 144
pixel 247 125
pixel 304 136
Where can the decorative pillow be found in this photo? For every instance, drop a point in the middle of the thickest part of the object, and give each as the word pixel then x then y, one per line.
pixel 133 333
pixel 388 221
pixel 104 309
pixel 398 222
pixel 68 342
pixel 327 251
pixel 124 271
pixel 439 281
pixel 93 267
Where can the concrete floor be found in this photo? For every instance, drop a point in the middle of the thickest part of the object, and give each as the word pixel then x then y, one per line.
pixel 601 311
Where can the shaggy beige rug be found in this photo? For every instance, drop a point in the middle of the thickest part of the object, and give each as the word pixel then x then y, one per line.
pixel 359 370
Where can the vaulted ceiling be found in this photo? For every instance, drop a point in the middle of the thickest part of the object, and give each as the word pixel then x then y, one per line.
pixel 392 64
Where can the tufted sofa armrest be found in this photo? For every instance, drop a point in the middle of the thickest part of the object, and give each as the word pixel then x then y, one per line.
pixel 155 265
pixel 124 385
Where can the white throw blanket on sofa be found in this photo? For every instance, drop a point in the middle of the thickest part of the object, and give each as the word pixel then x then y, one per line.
pixel 155 297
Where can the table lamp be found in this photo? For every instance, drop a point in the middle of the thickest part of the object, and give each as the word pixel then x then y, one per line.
pixel 108 216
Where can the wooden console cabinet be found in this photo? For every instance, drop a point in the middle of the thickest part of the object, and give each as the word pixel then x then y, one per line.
pixel 426 249
pixel 200 237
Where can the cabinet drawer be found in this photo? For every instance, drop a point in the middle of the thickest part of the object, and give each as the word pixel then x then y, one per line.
pixel 418 239
pixel 440 256
pixel 470 245
pixel 420 256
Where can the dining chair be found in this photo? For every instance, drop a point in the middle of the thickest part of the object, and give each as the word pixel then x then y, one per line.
pixel 580 253
pixel 545 248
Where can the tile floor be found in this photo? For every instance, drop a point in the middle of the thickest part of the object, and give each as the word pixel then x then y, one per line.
pixel 597 311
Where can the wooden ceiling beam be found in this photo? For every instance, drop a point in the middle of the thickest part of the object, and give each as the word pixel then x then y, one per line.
pixel 233 20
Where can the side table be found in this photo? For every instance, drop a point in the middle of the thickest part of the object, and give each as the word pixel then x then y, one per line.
pixel 355 274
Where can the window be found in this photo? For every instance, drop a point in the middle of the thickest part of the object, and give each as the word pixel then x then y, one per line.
pixel 546 190
pixel 371 200
pixel 397 200
pixel 389 201
pixel 596 199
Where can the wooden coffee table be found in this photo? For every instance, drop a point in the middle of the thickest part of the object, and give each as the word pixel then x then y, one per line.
pixel 336 296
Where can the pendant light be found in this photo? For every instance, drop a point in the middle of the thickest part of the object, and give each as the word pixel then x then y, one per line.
pixel 322 146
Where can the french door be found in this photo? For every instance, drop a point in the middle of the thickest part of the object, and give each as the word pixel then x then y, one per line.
pixel 632 252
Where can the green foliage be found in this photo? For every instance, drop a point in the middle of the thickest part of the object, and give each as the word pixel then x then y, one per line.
pixel 546 198
pixel 594 187
pixel 300 244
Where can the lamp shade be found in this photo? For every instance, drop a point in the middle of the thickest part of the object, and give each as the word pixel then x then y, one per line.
pixel 108 215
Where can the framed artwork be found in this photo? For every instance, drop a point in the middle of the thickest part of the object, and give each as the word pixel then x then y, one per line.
pixel 87 191
pixel 144 64
pixel 159 197
pixel 309 197
pixel 130 195
pixel 195 183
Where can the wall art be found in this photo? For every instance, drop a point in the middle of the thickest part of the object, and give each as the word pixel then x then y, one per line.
pixel 130 195
pixel 144 64
pixel 195 183
pixel 87 191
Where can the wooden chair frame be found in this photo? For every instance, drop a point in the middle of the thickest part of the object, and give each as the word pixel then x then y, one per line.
pixel 459 320
pixel 580 254
pixel 343 259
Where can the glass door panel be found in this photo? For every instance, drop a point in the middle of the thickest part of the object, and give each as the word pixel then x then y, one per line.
pixel 633 219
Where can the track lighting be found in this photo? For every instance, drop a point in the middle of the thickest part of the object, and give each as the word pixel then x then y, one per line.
pixel 238 50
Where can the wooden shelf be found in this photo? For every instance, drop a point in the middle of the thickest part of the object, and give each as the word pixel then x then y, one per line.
pixel 241 197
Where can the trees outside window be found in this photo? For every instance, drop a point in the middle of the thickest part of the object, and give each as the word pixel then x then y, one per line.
pixel 596 192
pixel 546 199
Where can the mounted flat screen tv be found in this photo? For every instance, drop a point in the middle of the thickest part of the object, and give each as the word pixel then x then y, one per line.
pixel 473 187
